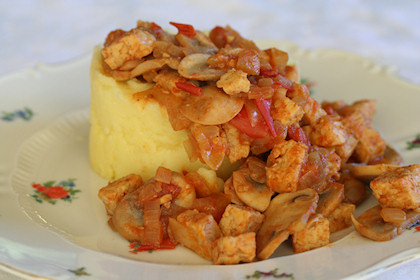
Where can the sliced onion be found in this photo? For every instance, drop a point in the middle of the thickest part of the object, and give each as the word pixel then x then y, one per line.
pixel 192 149
pixel 211 131
pixel 249 62
pixel 212 149
pixel 149 191
pixel 393 215
pixel 163 175
pixel 147 66
pixel 152 224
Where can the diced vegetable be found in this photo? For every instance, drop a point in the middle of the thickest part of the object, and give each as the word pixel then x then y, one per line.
pixel 264 107
pixel 242 122
pixel 195 90
pixel 186 29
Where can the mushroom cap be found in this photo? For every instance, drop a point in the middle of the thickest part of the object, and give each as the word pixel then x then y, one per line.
pixel 286 214
pixel 212 107
pixel 371 225
pixel 369 172
pixel 128 217
pixel 195 66
pixel 250 192
pixel 330 200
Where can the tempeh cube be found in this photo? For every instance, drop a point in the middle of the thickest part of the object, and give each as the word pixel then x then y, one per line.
pixel 340 218
pixel 240 219
pixel 195 230
pixel 234 249
pixel 399 188
pixel 327 132
pixel 316 234
pixel 286 158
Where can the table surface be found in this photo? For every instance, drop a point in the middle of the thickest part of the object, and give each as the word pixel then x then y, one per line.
pixel 42 31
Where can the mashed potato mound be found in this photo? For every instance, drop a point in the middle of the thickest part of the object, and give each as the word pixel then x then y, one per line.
pixel 130 136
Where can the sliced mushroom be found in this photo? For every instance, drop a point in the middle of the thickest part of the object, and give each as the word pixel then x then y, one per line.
pixel 195 66
pixel 147 66
pixel 330 200
pixel 250 192
pixel 355 191
pixel 130 65
pixel 286 214
pixel 257 168
pixel 200 43
pixel 230 191
pixel 371 225
pixel 212 107
pixel 369 172
pixel 391 156
pixel 128 217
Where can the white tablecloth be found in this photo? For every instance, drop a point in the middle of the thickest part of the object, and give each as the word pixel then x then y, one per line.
pixel 388 32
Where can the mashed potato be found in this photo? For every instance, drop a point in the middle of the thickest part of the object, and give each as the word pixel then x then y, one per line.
pixel 129 136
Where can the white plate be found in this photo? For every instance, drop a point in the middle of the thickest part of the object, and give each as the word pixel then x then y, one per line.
pixel 47 141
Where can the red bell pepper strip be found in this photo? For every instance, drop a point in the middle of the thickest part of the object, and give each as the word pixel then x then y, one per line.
pixel 195 90
pixel 264 107
pixel 186 29
pixel 166 244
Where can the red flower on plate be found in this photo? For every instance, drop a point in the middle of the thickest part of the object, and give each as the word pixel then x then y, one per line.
pixel 55 192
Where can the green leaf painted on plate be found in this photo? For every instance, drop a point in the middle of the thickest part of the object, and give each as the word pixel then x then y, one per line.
pixel 25 114
pixel 51 192
pixel 79 272
pixel 272 273
pixel 414 143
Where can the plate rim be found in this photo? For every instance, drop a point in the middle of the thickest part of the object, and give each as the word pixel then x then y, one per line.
pixel 42 69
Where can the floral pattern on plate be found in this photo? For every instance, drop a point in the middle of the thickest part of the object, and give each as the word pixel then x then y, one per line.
pixel 272 274
pixel 25 114
pixel 51 191
pixel 413 144
pixel 79 272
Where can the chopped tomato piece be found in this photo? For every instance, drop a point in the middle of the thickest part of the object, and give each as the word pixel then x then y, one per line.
pixel 195 90
pixel 298 134
pixel 264 107
pixel 186 29
pixel 242 123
